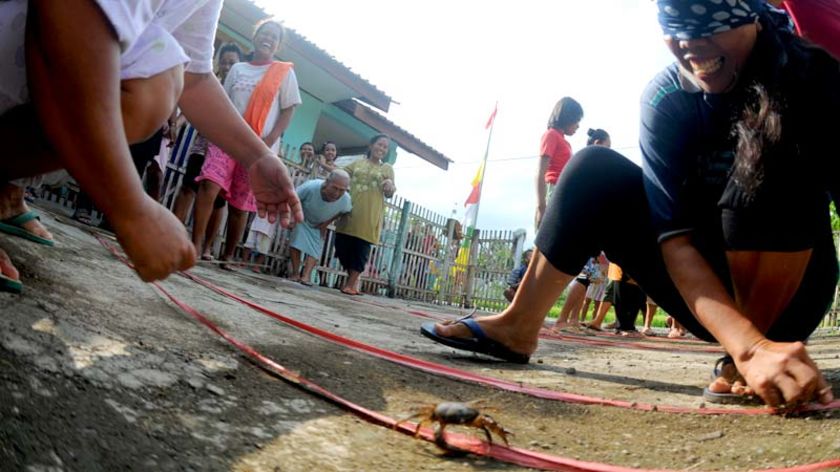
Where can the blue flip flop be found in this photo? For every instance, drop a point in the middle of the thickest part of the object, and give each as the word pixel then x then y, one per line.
pixel 728 398
pixel 14 226
pixel 479 343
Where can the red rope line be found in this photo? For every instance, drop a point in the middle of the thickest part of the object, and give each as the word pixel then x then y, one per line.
pixel 501 384
pixel 513 455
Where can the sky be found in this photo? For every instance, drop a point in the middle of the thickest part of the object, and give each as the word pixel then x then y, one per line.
pixel 446 63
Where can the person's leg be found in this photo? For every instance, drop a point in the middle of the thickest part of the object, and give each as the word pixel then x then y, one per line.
pixel 60 128
pixel 213 226
pixel 599 203
pixel 296 256
pixel 603 308
pixel 183 202
pixel 351 285
pixel 7 269
pixel 650 311
pixel 258 268
pixel 207 193
pixel 237 220
pixel 630 300
pixel 574 299
pixel 308 265
pixel 509 293
pixel 188 188
pixel 12 203
pixel 584 310
pixel 153 180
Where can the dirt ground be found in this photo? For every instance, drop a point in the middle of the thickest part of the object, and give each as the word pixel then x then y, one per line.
pixel 99 372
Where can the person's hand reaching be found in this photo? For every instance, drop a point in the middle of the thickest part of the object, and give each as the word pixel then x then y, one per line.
pixel 274 191
pixel 154 240
pixel 783 374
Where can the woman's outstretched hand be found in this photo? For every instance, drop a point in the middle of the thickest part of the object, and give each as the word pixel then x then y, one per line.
pixel 274 191
pixel 783 374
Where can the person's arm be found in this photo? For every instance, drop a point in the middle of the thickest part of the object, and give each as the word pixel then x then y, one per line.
pixel 288 97
pixel 542 167
pixel 548 147
pixel 83 121
pixel 208 108
pixel 779 373
pixel 280 126
pixel 322 161
pixel 388 186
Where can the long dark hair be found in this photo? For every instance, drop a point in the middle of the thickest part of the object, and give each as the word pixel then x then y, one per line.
pixel 758 130
pixel 567 111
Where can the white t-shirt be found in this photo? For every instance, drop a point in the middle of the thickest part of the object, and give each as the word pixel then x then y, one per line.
pixel 154 35
pixel 243 79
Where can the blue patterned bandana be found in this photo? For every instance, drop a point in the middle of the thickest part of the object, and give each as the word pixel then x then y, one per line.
pixel 691 19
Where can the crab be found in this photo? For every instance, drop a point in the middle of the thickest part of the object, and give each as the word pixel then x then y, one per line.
pixel 447 413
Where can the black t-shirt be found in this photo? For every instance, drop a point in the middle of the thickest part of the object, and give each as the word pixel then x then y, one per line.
pixel 688 145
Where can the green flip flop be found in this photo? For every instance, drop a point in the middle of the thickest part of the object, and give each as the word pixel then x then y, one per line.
pixel 14 226
pixel 10 285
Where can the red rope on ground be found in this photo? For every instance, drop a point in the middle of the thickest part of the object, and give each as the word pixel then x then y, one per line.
pixel 513 455
pixel 468 376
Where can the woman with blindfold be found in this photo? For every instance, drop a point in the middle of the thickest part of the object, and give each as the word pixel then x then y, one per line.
pixel 726 223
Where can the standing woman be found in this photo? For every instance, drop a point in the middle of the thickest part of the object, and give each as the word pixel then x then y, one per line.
pixel 555 151
pixel 372 181
pixel 265 92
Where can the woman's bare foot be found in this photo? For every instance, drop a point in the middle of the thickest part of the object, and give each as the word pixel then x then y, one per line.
pixel 12 204
pixel 7 268
pixel 730 381
pixel 496 329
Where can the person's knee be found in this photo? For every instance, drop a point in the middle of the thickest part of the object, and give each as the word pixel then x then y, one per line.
pixel 147 103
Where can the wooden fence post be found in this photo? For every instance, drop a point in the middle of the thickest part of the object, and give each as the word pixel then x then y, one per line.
pixel 396 261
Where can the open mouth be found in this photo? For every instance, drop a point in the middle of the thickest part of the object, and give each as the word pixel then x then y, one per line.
pixel 704 68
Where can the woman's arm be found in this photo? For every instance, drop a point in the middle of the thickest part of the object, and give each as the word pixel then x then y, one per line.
pixel 86 116
pixel 388 186
pixel 280 126
pixel 542 167
pixel 778 372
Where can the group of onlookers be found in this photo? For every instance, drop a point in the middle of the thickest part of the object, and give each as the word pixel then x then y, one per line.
pixel 144 92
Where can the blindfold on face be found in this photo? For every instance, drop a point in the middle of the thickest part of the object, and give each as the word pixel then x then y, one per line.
pixel 691 19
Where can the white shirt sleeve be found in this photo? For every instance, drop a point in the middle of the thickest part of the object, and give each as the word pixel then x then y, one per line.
pixel 289 92
pixel 196 35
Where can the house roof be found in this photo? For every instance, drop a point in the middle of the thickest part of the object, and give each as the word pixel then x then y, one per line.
pixel 327 79
pixel 403 138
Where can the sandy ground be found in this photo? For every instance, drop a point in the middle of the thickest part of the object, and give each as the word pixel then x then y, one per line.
pixel 99 372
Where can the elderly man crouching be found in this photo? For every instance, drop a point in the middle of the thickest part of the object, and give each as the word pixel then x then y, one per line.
pixel 323 202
